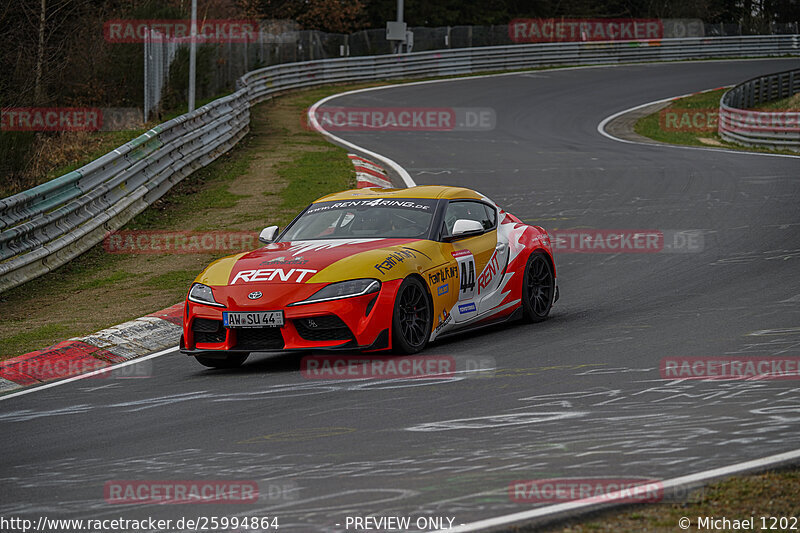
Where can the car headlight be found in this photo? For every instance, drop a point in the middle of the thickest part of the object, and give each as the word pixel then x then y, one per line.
pixel 343 289
pixel 202 294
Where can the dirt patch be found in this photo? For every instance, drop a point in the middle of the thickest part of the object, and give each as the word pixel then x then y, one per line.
pixel 709 141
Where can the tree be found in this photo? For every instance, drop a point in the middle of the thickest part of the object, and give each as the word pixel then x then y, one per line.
pixel 337 16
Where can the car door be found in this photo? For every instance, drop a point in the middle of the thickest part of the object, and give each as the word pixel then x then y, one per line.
pixel 478 258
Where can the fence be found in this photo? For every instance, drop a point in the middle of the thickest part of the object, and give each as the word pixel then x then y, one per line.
pixel 44 227
pixel 281 41
pixel 158 56
pixel 771 129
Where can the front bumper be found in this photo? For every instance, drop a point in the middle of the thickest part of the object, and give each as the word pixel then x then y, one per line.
pixel 358 323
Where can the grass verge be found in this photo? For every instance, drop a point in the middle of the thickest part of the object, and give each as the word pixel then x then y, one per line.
pixel 692 121
pixel 792 103
pixel 770 494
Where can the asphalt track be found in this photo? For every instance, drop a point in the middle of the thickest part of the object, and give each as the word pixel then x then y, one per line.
pixel 577 396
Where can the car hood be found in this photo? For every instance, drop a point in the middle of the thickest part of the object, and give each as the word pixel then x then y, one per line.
pixel 320 261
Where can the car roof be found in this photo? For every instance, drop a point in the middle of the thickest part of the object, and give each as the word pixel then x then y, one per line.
pixel 420 191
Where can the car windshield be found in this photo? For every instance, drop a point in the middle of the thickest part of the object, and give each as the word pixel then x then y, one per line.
pixel 374 218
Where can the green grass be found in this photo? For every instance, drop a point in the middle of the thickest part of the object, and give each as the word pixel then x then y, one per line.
pixel 114 277
pixel 170 280
pixel 206 189
pixel 768 494
pixel 217 197
pixel 311 175
pixel 41 336
pixel 76 273
pixel 791 103
pixel 707 104
pixel 651 126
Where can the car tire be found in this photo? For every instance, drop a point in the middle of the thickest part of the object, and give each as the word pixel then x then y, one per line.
pixel 412 318
pixel 229 361
pixel 538 288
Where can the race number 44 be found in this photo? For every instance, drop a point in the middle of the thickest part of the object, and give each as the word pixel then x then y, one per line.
pixel 466 274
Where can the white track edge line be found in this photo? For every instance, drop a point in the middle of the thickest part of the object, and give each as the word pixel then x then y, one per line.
pixel 406 177
pixel 535 513
pixel 591 504
pixel 106 369
pixel 553 509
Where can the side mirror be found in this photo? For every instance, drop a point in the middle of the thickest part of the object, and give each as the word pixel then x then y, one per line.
pixel 465 228
pixel 268 234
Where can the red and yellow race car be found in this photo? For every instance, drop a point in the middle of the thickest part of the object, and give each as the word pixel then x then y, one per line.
pixel 372 269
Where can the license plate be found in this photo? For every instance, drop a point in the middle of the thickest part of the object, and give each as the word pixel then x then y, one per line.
pixel 253 319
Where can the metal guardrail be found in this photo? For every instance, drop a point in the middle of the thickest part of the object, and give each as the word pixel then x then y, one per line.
pixel 46 226
pixel 771 129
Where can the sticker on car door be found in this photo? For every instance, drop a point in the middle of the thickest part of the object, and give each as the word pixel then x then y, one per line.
pixel 466 274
